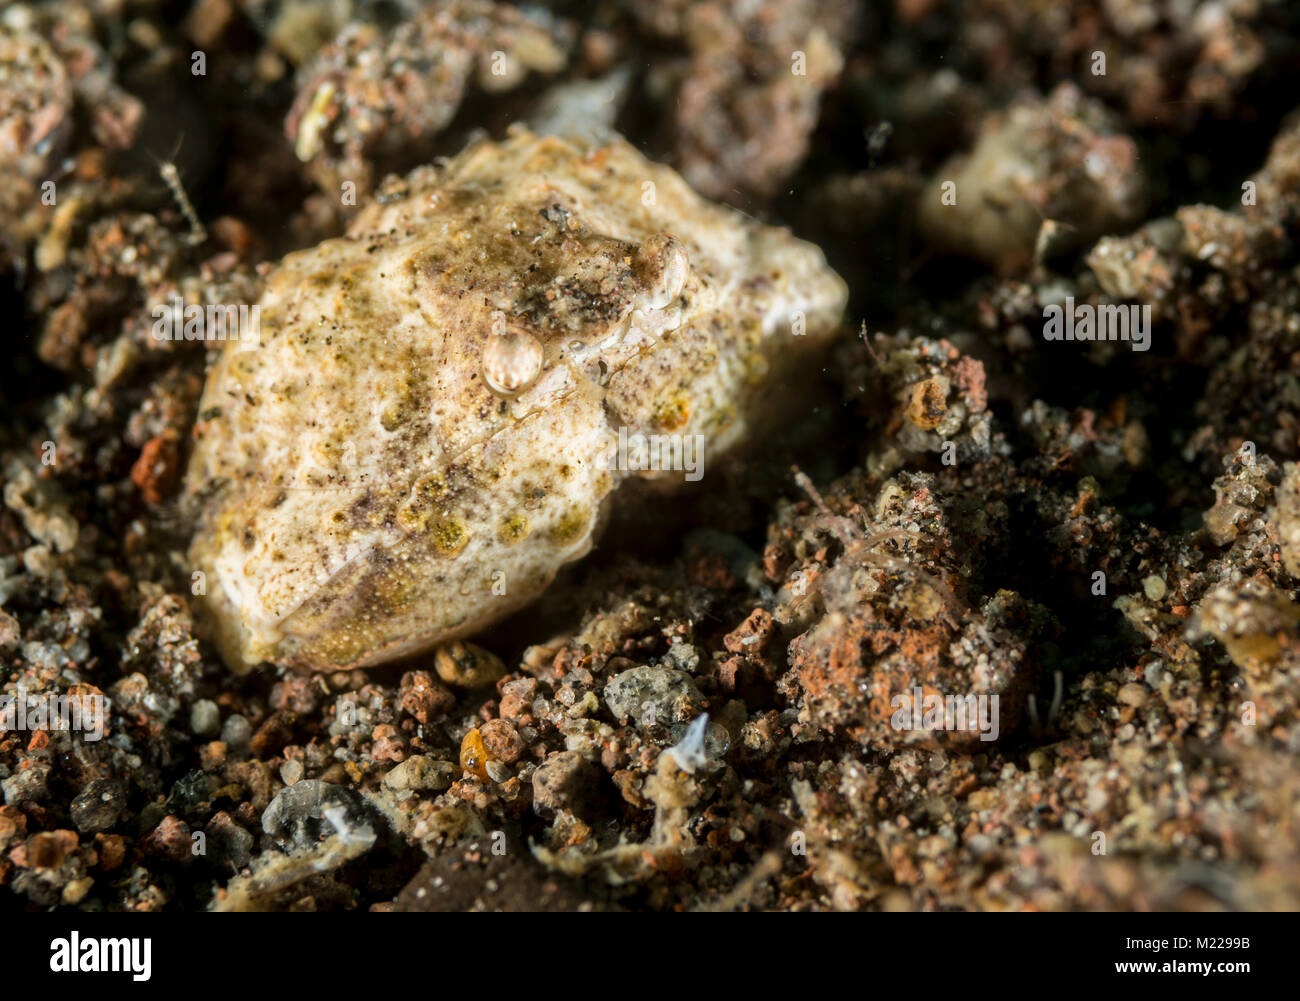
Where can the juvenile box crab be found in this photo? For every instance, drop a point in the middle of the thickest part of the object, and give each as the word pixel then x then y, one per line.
pixel 420 440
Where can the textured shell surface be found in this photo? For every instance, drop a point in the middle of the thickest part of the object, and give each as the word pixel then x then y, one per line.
pixel 422 434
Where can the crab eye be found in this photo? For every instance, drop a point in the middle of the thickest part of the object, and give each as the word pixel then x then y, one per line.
pixel 665 267
pixel 512 361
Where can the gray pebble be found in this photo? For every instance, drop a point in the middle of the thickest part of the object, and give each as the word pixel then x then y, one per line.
pixel 205 718
pixel 236 732
pixel 564 781
pixel 653 695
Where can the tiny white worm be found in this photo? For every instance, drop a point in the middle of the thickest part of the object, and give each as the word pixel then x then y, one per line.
pixel 172 178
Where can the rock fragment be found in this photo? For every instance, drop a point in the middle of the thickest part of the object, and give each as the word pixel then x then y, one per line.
pixel 1059 159
pixel 653 695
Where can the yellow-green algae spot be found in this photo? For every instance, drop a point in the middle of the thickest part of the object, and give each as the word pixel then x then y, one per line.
pixel 394 590
pixel 723 418
pixel 672 413
pixel 392 417
pixel 345 646
pixel 415 514
pixel 433 488
pixel 571 526
pixel 449 537
pixel 406 401
pixel 513 529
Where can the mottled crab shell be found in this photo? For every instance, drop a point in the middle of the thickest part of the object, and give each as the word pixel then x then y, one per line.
pixel 362 492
